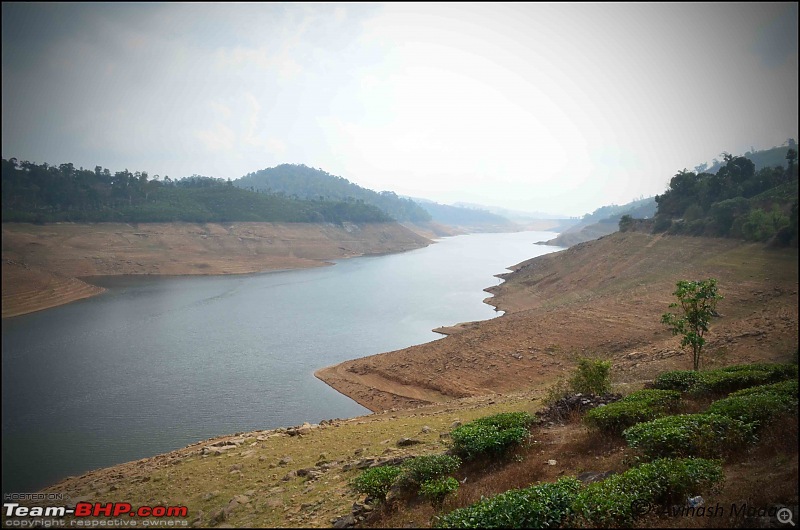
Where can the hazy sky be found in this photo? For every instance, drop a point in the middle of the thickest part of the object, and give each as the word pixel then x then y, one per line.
pixel 542 107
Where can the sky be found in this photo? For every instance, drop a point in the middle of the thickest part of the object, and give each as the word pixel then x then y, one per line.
pixel 549 107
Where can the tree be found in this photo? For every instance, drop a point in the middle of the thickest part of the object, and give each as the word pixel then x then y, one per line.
pixel 698 301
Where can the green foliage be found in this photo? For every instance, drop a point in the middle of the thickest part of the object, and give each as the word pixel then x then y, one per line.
pixel 425 468
pixel 698 300
pixel 625 223
pixel 737 195
pixel 759 405
pixel 491 434
pixel 681 380
pixel 725 380
pixel 643 405
pixel 42 193
pixel 541 506
pixel 759 225
pixel 591 377
pixel 702 435
pixel 376 481
pixel 308 183
pixel 437 489
pixel 614 502
pixel 783 388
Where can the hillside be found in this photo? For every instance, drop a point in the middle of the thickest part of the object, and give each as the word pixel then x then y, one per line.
pixel 308 183
pixel 468 219
pixel 602 222
pixel 42 263
pixel 41 193
pixel 599 298
pixel 775 156
pixel 603 297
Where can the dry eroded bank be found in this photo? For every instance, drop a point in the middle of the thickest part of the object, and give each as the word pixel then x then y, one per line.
pixel 41 264
pixel 600 298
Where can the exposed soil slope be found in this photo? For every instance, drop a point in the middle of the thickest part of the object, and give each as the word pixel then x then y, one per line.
pixel 600 298
pixel 41 264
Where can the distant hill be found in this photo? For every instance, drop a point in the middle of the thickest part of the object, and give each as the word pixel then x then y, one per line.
pixel 603 221
pixel 512 215
pixel 775 156
pixel 475 220
pixel 303 182
pixel 41 193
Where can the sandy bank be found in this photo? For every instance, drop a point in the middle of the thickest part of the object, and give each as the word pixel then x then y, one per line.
pixel 601 298
pixel 42 263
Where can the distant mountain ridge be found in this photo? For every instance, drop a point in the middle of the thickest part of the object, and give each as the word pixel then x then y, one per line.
pixel 315 184
pixel 477 220
pixel 604 221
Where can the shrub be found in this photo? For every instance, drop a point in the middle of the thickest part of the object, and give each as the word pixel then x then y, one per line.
pixel 615 501
pixel 591 377
pixel 784 388
pixel 540 506
pixel 758 408
pixel 428 467
pixel 725 380
pixel 681 380
pixel 376 481
pixel 437 489
pixel 639 406
pixel 702 435
pixel 492 434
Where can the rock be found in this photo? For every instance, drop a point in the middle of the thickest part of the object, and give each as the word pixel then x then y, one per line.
pixel 551 462
pixel 235 467
pixel 210 495
pixel 594 476
pixel 217 517
pixel 289 476
pixel 425 429
pixel 348 521
pixel 405 442
pixel 285 460
pixel 456 424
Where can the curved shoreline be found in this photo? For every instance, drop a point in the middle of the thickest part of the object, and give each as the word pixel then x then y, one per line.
pixel 43 265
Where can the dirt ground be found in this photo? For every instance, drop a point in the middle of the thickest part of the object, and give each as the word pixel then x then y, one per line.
pixel 603 298
pixel 42 265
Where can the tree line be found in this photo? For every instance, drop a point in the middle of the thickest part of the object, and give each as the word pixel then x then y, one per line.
pixel 304 182
pixel 41 193
pixel 737 201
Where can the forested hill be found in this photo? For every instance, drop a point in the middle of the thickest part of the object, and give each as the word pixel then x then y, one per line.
pixel 42 193
pixel 737 201
pixel 775 156
pixel 315 184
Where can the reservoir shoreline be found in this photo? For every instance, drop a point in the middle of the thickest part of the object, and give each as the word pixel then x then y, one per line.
pixel 45 266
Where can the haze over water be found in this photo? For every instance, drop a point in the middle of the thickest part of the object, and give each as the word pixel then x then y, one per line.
pixel 155 364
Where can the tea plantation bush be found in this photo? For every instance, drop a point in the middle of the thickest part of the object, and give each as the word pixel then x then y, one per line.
pixel 639 406
pixel 758 408
pixel 614 501
pixel 376 481
pixel 725 380
pixel 491 434
pixel 703 435
pixel 784 388
pixel 541 506
pixel 437 489
pixel 428 467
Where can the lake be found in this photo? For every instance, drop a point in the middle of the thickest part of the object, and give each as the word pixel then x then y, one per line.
pixel 157 363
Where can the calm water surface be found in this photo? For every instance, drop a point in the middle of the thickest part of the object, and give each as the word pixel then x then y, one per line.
pixel 155 364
